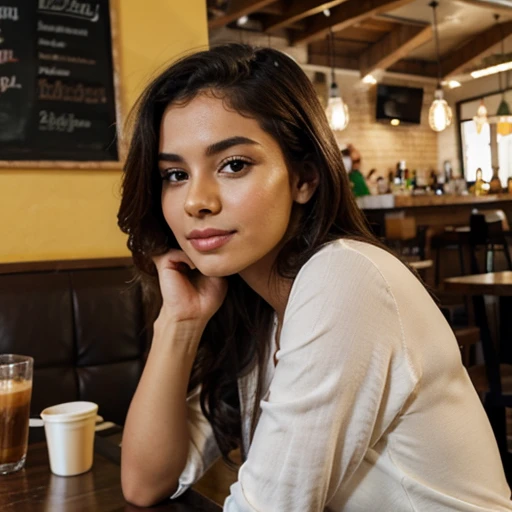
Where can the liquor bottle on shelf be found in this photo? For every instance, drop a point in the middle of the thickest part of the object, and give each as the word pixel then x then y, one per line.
pixel 480 188
pixel 495 186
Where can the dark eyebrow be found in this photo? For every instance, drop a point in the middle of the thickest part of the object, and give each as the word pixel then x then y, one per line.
pixel 222 145
pixel 213 149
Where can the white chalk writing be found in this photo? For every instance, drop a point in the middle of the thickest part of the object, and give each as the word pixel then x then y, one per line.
pixel 65 58
pixel 78 93
pixel 7 56
pixel 51 42
pixel 67 122
pixel 71 8
pixel 9 13
pixel 53 71
pixel 60 29
pixel 8 82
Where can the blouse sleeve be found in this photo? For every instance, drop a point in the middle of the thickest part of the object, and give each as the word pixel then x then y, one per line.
pixel 340 380
pixel 203 450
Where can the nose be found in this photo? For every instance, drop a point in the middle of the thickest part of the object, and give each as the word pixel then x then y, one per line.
pixel 203 198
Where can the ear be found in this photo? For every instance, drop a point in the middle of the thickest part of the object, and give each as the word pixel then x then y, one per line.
pixel 305 183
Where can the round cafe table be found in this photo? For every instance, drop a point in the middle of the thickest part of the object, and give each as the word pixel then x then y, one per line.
pixel 496 352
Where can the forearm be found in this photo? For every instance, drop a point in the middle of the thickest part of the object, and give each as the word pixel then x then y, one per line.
pixel 156 439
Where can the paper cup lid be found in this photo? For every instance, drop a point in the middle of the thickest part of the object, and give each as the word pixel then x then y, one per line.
pixel 69 411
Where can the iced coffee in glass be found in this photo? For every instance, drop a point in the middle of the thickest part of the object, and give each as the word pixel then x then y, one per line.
pixel 15 393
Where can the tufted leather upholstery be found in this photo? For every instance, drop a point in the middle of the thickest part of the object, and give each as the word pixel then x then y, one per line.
pixel 85 330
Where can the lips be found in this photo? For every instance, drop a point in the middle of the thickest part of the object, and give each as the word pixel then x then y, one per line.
pixel 209 239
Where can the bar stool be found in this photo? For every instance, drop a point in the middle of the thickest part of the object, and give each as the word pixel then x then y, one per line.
pixel 451 239
pixel 405 237
pixel 488 231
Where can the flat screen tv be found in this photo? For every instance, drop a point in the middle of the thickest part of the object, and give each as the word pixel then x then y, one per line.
pixel 403 103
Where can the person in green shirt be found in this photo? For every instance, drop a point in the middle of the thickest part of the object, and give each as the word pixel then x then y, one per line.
pixel 357 180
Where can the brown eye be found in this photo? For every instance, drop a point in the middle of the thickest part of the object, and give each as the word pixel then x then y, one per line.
pixel 175 176
pixel 235 165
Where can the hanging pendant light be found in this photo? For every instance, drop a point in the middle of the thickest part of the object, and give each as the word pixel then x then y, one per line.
pixel 503 117
pixel 337 110
pixel 481 116
pixel 440 113
pixel 504 126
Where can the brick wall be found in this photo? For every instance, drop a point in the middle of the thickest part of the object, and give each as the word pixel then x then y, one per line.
pixel 382 145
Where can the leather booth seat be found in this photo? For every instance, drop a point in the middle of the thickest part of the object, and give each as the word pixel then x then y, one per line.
pixel 84 327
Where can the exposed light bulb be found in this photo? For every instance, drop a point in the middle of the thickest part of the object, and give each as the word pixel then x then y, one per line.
pixel 394 122
pixel 337 110
pixel 243 20
pixel 481 117
pixel 369 79
pixel 440 113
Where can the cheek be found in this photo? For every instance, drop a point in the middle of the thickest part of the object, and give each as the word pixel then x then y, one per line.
pixel 171 214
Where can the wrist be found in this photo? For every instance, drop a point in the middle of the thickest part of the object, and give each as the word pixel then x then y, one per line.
pixel 179 334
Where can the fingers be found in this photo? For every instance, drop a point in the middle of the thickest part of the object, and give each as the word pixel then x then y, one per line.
pixel 172 260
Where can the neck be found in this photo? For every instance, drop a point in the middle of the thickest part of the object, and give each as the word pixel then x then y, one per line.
pixel 271 287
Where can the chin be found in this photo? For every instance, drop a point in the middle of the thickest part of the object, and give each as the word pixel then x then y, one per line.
pixel 220 269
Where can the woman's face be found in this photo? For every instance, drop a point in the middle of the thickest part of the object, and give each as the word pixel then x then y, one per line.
pixel 227 194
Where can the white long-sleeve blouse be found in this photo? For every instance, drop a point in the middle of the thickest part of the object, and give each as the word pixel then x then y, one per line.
pixel 368 407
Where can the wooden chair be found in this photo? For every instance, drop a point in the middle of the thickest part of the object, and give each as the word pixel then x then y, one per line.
pixel 489 231
pixel 405 237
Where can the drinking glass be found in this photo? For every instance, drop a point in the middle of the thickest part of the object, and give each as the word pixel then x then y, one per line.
pixel 15 393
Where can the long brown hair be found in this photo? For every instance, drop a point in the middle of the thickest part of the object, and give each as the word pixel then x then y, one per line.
pixel 271 88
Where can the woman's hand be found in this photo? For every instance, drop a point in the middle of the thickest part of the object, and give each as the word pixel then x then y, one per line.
pixel 187 295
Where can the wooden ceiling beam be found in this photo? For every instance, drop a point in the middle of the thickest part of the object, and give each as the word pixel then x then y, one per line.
pixel 345 15
pixel 238 8
pixel 474 49
pixel 269 19
pixel 415 67
pixel 276 8
pixel 393 47
pixel 502 7
pixel 300 9
pixel 340 61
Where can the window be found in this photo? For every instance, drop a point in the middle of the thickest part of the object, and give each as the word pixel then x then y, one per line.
pixel 476 150
pixel 488 147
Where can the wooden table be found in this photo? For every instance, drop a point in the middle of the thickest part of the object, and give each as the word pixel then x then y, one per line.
pixel 36 489
pixel 492 283
pixel 496 352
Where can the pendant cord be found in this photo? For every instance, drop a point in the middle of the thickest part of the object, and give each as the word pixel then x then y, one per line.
pixel 497 17
pixel 434 4
pixel 331 53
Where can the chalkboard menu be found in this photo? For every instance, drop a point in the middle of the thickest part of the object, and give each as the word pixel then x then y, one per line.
pixel 57 94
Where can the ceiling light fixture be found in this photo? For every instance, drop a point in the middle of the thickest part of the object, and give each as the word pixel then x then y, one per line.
pixel 243 20
pixel 369 79
pixel 481 116
pixel 491 70
pixel 503 117
pixel 337 110
pixel 440 114
pixel 453 84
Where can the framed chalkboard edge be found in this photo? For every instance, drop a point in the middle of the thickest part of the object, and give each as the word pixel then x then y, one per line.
pixel 61 164
pixel 120 110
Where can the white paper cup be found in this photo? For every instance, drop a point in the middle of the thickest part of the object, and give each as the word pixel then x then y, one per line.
pixel 69 430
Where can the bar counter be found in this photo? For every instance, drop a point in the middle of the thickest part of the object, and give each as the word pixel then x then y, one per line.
pixel 432 211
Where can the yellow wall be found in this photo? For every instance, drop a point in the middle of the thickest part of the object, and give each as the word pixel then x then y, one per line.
pixel 45 214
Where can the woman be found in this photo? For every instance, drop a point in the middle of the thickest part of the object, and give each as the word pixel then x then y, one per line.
pixel 282 327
